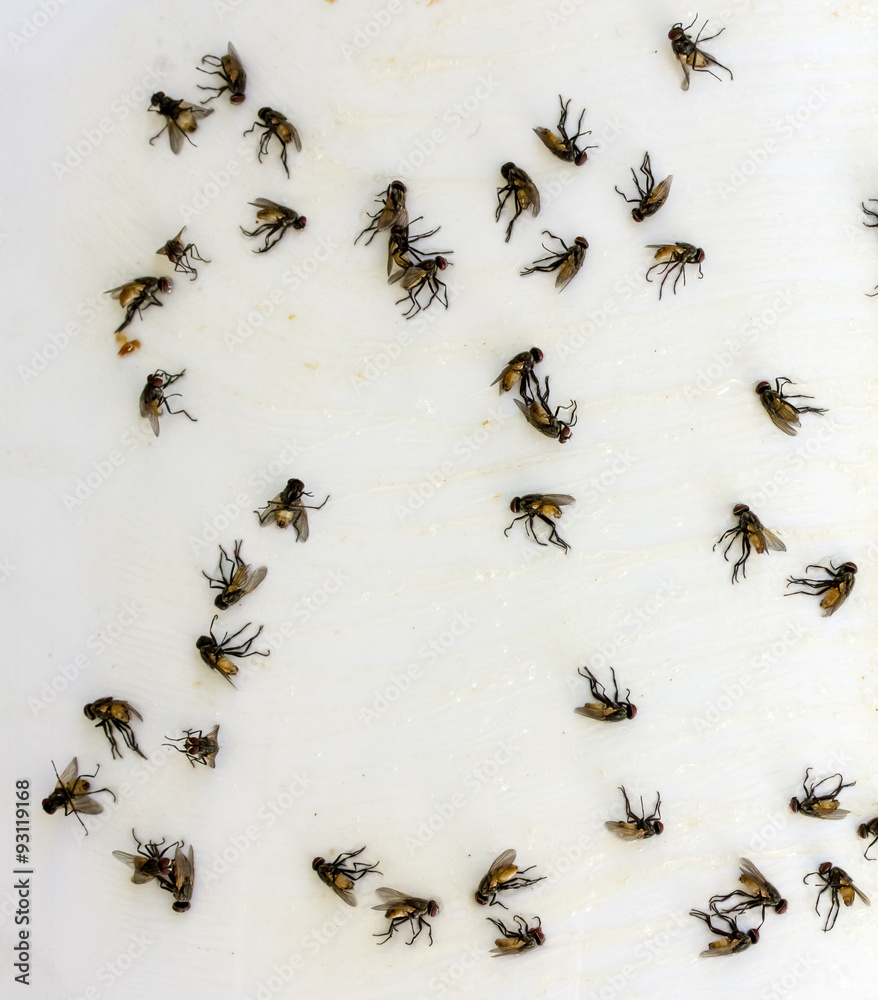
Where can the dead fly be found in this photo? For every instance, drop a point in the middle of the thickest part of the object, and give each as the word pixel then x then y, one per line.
pixel 518 940
pixel 135 296
pixel 236 581
pixel 840 885
pixel 821 804
pixel 731 938
pixel 400 245
pixel 538 412
pixel 503 875
pixel 564 146
pixel 541 507
pixel 674 257
pixel 835 590
pixel 287 508
pixel 178 255
pixel 424 274
pixel 524 194
pixel 638 827
pixel 181 118
pixel 757 891
pixel 392 212
pixel 518 368
pixel 753 535
pixel 73 793
pixel 150 862
pixel 216 653
pixel 341 874
pixel 276 220
pixel 277 124
pixel 691 57
pixel 651 196
pixel 566 262
pixel 869 829
pixel 153 398
pixel 198 747
pixel 229 69
pixel 783 413
pixel 399 908
pixel 112 714
pixel 182 880
pixel 615 709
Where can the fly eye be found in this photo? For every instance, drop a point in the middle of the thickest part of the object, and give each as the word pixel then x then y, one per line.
pixel 781 907
pixel 317 862
pixel 157 96
pixel 740 508
pixel 504 170
pixel 165 285
pixel 632 711
pixel 565 435
pixel 433 908
pixel 658 826
pixel 699 256
pixel 441 263
pixel 515 506
pixel 582 241
pixel 48 806
pixel 583 156
pixel 156 381
pixel 861 831
pixel 237 99
pixel 794 804
pixel 825 867
pixel 637 215
pixel 762 386
pixel 536 354
pixel 263 112
pixel 850 567
pixel 675 34
pixel 300 223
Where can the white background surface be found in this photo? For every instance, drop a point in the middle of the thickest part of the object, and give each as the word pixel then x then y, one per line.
pixel 738 689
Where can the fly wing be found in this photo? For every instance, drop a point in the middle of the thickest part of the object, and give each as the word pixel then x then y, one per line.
pixel 834 598
pixel 136 862
pixel 301 524
pixel 782 414
pixel 568 269
pixel 346 892
pixel 625 831
pixel 175 136
pixel 149 409
pixel 68 775
pixel 499 866
pixel 722 946
pixel 295 137
pixel 84 803
pixel 592 711
pixel 507 946
pixel 533 196
pixel 558 499
pixel 750 870
pixel 254 579
pixel 771 541
pixel 551 141
pixel 660 193
pixel 393 897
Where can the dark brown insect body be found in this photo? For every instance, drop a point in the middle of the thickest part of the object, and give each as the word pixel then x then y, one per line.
pixel 402 252
pixel 176 875
pixel 538 412
pixel 182 879
pixel 783 413
pixel 517 369
pixel 73 793
pixel 391 214
pixel 112 714
pixel 423 274
pixel 154 397
pixel 674 257
pixel 615 709
pixel 541 507
pixel 236 581
pixel 229 69
pixel 277 124
pixel 200 748
pixel 836 589
pixel 638 827
pixel 400 908
pixel 731 940
pixel 178 255
pixel 869 829
pixel 753 535
pixel 566 262
pixel 517 940
pixel 135 296
pixel 757 891
pixel 180 117
pixel 564 146
pixel 287 509
pixel 216 653
pixel 275 221
pixel 821 804
pixel 840 887
pixel 523 191
pixel 651 196
pixel 341 873
pixel 691 57
pixel 502 876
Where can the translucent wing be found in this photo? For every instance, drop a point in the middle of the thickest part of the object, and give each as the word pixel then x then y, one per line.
pixel 568 269
pixel 392 897
pixel 660 193
pixel 68 775
pixel 625 831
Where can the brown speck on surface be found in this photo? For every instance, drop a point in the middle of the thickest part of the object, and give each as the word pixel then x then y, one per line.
pixel 293 315
pixel 311 365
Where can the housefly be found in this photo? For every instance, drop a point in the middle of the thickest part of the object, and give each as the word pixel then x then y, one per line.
pixel 783 413
pixel 182 879
pixel 180 117
pixel 275 221
pixel 524 194
pixel 341 873
pixel 229 69
pixel 391 214
pixel 673 257
pixel 690 55
pixel 731 939
pixel 538 412
pixel 216 653
pixel 564 146
pixel 841 887
pixel 638 827
pixel 399 907
pixel 541 507
pixel 287 508
pixel 821 804
pixel 277 124
pixel 112 714
pixel 73 793
pixel 753 535
pixel 517 940
pixel 154 397
pixel 424 274
pixel 199 747
pixel 566 262
pixel 836 589
pixel 178 254
pixel 150 862
pixel 400 247
pixel 757 891
pixel 518 368
pixel 135 296
pixel 651 196
pixel 503 875
pixel 235 580
pixel 869 829
pixel 615 709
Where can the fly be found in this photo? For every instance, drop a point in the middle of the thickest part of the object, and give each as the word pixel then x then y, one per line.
pixel 275 221
pixel 400 908
pixel 400 246
pixel 150 861
pixel 180 117
pixel 673 257
pixel 229 69
pixel 836 589
pixel 538 411
pixel 518 368
pixel 840 886
pixel 178 254
pixel 753 535
pixel 566 262
pixel 615 709
pixel 731 939
pixel 502 876
pixel 517 940
pixel 277 124
pixel 564 146
pixel 821 804
pixel 235 581
pixel 534 507
pixel 135 296
pixel 869 829
pixel 287 508
pixel 391 214
pixel 424 274
pixel 524 194
pixel 757 891
pixel 115 715
pixel 690 55
pixel 153 398
pixel 216 653
pixel 783 413
pixel 651 196
pixel 199 747
pixel 182 880
pixel 640 827
pixel 73 793
pixel 341 873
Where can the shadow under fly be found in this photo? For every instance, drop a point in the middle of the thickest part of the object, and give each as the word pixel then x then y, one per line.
pixel 836 589
pixel 276 220
pixel 783 413
pixel 753 535
pixel 840 887
pixel 566 262
pixel 651 196
pixel 821 804
pixel 275 124
pixel 287 509
pixel 392 212
pixel 112 714
pixel 673 257
pixel 543 507
pixel 216 652
pixel 523 191
pixel 538 412
pixel 229 69
pixel 691 57
pixel 154 397
pixel 615 709
pixel 564 146
pixel 235 580
pixel 731 939
pixel 178 255
pixel 73 793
